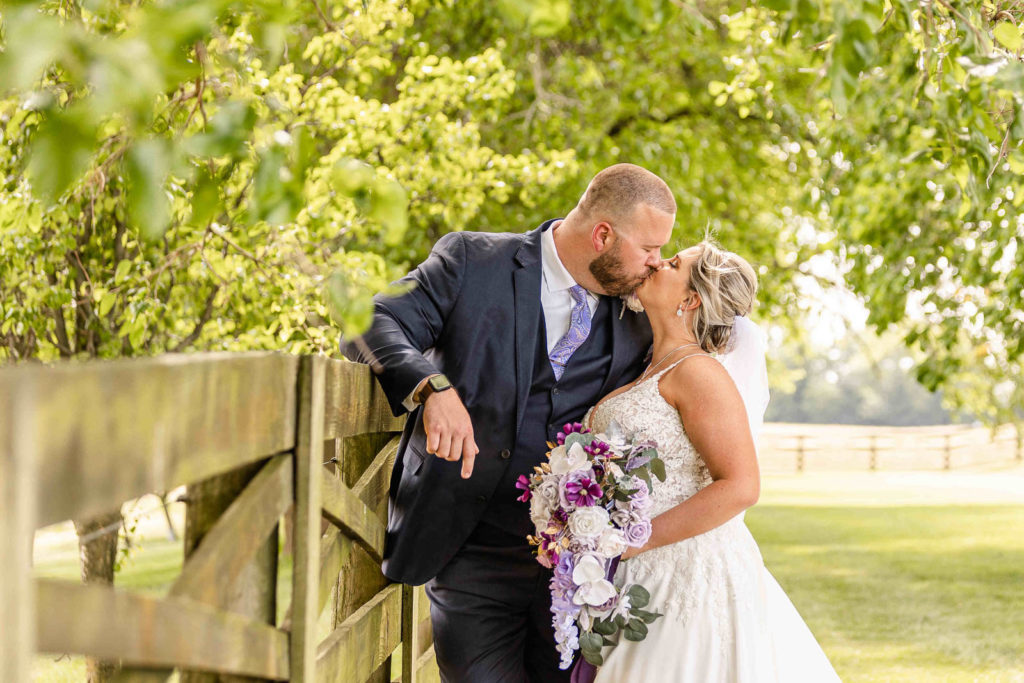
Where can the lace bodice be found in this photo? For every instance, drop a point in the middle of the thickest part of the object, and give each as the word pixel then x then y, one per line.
pixel 708 567
pixel 642 412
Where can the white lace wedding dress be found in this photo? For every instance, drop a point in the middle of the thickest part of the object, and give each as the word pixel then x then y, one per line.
pixel 726 619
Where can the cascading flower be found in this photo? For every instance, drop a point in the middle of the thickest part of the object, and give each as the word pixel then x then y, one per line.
pixel 588 503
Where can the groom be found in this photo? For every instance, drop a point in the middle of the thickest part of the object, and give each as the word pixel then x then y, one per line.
pixel 502 339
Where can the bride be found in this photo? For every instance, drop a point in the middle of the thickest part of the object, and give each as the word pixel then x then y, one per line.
pixel 725 619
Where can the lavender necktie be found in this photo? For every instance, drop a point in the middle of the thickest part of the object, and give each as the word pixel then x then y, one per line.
pixel 579 329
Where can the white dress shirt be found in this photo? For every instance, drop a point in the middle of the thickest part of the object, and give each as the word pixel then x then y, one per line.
pixel 555 298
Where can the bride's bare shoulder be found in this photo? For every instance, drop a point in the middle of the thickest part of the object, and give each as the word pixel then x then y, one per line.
pixel 699 379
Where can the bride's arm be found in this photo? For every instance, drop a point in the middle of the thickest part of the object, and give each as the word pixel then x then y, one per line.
pixel 715 420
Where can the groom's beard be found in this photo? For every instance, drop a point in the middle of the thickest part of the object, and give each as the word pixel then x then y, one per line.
pixel 609 272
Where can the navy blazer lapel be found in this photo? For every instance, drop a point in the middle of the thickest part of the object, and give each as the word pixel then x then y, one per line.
pixel 526 282
pixel 620 343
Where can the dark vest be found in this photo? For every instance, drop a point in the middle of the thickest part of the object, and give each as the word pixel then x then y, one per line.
pixel 550 405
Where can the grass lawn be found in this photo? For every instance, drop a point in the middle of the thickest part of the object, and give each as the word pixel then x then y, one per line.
pixel 916 579
pixel 903 592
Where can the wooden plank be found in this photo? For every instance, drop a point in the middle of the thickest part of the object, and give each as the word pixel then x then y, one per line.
pixel 335 553
pixel 140 675
pixel 226 550
pixel 156 632
pixel 426 668
pixel 409 636
pixel 364 641
pixel 309 456
pixel 355 403
pixel 343 508
pixel 372 487
pixel 111 431
pixel 18 475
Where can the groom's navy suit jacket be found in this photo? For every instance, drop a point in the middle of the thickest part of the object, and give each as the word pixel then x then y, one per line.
pixel 474 314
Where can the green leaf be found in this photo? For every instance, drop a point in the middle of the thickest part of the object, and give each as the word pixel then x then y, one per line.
pixel 121 272
pixel 638 596
pixel 590 641
pixel 205 199
pixel 576 437
pixel 106 302
pixel 34 40
pixel 636 630
pixel 1009 35
pixel 148 163
pixel 60 153
pixel 658 468
pixel 388 203
pixel 605 627
pixel 549 17
pixel 226 133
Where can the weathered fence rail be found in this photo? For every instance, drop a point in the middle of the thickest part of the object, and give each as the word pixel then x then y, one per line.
pixel 800 447
pixel 294 441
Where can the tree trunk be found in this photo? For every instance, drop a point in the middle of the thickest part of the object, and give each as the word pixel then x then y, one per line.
pixel 99 555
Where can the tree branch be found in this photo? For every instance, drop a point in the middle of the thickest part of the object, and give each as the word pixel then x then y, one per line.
pixel 200 324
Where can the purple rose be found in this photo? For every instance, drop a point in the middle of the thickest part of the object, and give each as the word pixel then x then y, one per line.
pixel 638 533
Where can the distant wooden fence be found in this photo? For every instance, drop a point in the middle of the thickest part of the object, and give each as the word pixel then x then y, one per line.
pixel 315 438
pixel 800 447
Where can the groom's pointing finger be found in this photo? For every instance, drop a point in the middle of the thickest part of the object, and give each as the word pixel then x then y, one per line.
pixel 469 457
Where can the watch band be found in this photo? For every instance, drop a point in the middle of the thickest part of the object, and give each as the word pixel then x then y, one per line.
pixel 433 385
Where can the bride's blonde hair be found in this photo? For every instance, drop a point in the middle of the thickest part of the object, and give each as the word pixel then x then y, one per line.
pixel 727 285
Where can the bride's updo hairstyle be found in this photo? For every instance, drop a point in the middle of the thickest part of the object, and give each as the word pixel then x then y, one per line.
pixel 727 285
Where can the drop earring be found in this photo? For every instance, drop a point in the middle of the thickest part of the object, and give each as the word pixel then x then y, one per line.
pixel 679 311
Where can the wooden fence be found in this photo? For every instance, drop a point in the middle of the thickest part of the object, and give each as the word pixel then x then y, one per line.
pixel 801 447
pixel 299 439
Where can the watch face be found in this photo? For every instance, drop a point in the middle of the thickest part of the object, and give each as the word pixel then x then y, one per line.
pixel 440 382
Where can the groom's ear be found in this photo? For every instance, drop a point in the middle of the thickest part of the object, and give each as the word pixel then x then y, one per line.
pixel 602 236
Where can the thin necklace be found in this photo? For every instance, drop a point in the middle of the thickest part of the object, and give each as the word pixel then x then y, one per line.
pixel 646 373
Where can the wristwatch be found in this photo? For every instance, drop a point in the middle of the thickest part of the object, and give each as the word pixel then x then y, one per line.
pixel 433 385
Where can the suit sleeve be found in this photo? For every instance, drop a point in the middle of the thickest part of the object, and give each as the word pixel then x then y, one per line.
pixel 407 325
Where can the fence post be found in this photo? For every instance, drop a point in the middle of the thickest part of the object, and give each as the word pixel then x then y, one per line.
pixel 947 457
pixel 800 453
pixel 18 485
pixel 873 464
pixel 309 458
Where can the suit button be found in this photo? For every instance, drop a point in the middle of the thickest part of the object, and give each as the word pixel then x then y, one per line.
pixel 554 391
pixel 505 454
pixel 481 499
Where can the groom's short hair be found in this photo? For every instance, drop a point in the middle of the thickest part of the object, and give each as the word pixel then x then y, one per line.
pixel 617 190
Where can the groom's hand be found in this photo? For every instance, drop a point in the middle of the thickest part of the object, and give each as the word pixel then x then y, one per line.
pixel 449 430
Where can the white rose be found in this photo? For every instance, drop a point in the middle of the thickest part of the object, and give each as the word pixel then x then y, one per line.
pixel 564 460
pixel 540 512
pixel 588 522
pixel 612 543
pixel 547 490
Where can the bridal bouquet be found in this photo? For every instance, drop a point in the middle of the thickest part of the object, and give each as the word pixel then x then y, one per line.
pixel 589 502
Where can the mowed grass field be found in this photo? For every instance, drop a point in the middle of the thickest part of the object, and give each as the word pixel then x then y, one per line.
pixel 915 577
pixel 899 590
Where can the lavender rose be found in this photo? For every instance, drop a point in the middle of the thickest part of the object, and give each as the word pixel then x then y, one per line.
pixel 638 533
